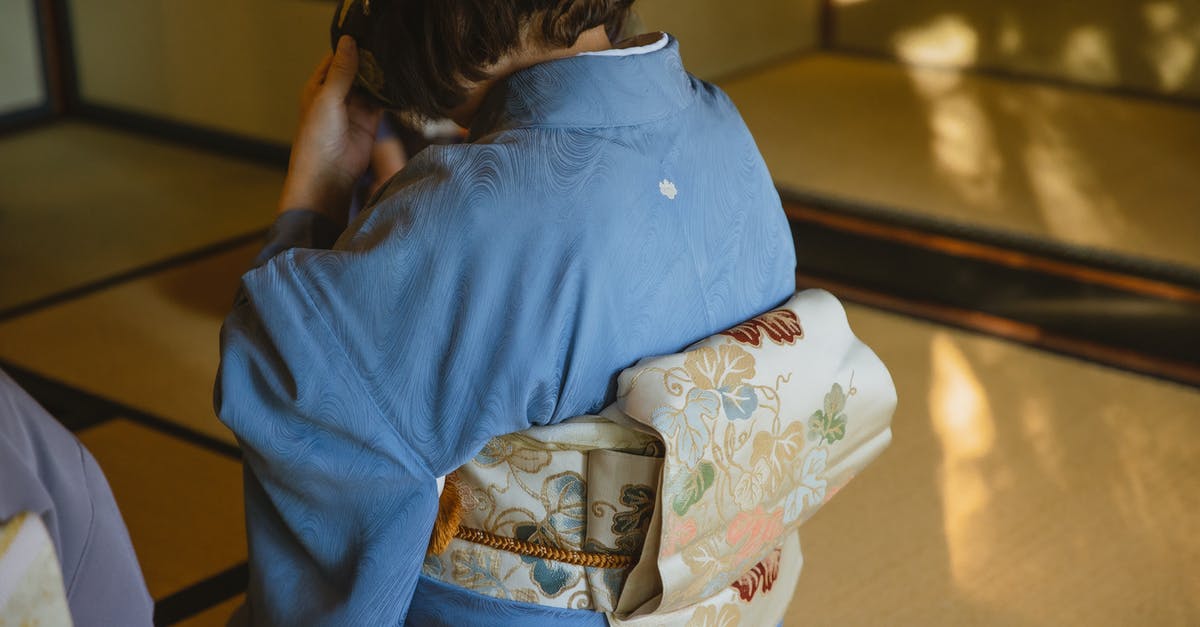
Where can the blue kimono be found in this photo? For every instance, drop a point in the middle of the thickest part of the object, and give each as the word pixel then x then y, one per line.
pixel 605 209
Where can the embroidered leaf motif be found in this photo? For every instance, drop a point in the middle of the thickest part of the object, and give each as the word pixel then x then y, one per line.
pixel 479 572
pixel 785 448
pixel 726 366
pixel 779 454
pixel 666 420
pixel 810 473
pixel 505 450
pixel 811 491
pixel 693 488
pixel 835 400
pixel 537 533
pixel 550 576
pixel 751 487
pixel 630 526
pixel 740 403
pixel 829 423
pixel 709 616
pixel 433 567
pixel 704 558
pixel 760 578
pixel 781 326
pixel 566 497
pixel 693 436
pixel 687 426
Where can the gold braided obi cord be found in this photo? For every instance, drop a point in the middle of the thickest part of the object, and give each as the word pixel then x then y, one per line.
pixel 679 504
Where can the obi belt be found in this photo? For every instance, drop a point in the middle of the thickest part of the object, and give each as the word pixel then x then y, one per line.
pixel 679 503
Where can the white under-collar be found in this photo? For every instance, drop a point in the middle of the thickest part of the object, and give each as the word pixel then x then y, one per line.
pixel 632 48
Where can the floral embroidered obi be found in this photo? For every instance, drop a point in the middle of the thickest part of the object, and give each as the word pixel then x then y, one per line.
pixel 679 503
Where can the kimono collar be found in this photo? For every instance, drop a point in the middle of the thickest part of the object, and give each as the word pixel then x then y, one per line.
pixel 589 91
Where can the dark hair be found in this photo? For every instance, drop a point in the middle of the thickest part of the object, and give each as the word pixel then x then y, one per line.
pixel 416 56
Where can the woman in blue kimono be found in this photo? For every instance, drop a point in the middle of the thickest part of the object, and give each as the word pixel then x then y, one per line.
pixel 606 207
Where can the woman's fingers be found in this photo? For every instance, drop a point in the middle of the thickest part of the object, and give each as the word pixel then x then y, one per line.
pixel 314 82
pixel 343 68
pixel 318 76
pixel 333 144
pixel 335 73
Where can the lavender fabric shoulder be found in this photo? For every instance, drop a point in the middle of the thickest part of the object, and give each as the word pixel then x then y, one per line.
pixel 46 471
pixel 605 209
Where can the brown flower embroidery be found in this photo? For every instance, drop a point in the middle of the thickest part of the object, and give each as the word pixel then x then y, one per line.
pixel 781 326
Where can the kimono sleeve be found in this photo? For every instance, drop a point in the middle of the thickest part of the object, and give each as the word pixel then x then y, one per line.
pixel 338 506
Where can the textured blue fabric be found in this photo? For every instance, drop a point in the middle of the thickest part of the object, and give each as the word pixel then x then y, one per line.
pixel 606 209
pixel 300 228
pixel 438 604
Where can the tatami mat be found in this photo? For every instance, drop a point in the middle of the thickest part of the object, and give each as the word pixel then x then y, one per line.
pixel 182 504
pixel 80 203
pixel 151 344
pixel 1071 166
pixel 1021 488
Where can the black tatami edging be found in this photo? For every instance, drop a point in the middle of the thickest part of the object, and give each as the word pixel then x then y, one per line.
pixel 1092 258
pixel 202 595
pixel 126 276
pixel 185 134
pixel 79 409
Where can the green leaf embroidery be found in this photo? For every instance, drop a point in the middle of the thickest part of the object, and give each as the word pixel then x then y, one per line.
pixel 829 424
pixel 693 488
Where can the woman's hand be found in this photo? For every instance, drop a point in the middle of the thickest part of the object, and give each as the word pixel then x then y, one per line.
pixel 333 145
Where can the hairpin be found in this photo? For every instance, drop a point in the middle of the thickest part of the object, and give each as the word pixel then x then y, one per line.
pixel 346 4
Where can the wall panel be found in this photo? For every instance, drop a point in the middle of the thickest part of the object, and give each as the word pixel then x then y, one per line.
pixel 230 65
pixel 1151 46
pixel 237 65
pixel 22 87
pixel 718 37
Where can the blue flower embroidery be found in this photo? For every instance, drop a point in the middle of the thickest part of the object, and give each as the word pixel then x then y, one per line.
pixel 739 402
pixel 565 497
